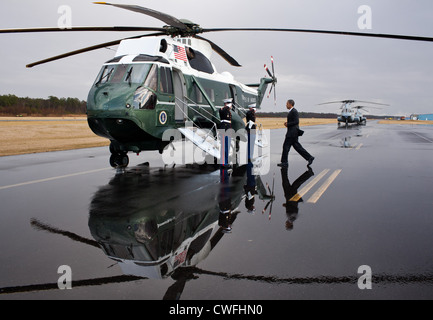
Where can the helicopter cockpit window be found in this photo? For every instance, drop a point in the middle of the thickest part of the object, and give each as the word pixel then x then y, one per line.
pixel 118 74
pixel 134 73
pixel 105 74
pixel 144 96
pixel 137 72
pixel 152 78
pixel 199 61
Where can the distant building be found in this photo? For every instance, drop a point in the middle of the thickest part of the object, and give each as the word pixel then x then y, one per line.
pixel 425 116
pixel 414 117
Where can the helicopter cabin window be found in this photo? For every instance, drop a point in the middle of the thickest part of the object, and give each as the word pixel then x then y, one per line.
pixel 199 61
pixel 211 94
pixel 198 94
pixel 166 84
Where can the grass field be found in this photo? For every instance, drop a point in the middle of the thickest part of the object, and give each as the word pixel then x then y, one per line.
pixel 403 122
pixel 46 134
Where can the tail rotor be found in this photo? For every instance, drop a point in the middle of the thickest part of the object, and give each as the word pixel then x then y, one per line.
pixel 274 80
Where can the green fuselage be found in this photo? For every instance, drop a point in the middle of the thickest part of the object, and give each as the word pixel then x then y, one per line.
pixel 133 104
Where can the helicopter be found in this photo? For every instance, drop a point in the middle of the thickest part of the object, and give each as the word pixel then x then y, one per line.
pixel 163 79
pixel 362 118
pixel 352 115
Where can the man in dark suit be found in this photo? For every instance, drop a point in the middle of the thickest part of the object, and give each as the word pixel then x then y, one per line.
pixel 292 135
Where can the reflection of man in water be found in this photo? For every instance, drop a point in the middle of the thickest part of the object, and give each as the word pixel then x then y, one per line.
pixel 250 189
pixel 225 202
pixel 289 191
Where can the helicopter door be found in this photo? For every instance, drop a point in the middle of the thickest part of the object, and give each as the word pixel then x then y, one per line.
pixel 234 94
pixel 179 92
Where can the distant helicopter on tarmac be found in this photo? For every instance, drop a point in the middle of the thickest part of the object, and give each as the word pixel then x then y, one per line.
pixel 362 118
pixel 352 115
pixel 163 79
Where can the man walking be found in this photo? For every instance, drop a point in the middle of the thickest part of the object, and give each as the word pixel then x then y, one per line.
pixel 291 139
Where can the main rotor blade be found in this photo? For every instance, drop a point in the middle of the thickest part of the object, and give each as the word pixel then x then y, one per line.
pixel 345 101
pixel 170 20
pixel 380 104
pixel 221 52
pixel 83 50
pixel 356 34
pixel 352 101
pixel 362 107
pixel 118 28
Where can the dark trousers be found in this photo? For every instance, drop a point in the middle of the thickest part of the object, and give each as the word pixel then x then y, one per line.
pixel 225 149
pixel 288 143
pixel 251 144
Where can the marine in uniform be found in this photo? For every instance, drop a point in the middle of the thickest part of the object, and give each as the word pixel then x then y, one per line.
pixel 251 130
pixel 225 125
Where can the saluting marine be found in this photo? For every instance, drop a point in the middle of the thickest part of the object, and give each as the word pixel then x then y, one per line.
pixel 226 115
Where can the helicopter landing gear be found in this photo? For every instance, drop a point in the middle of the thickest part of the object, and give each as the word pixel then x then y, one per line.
pixel 119 160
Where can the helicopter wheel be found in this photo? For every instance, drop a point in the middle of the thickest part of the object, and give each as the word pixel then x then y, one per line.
pixel 119 160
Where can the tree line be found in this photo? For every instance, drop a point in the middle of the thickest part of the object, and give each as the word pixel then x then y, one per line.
pixel 301 115
pixel 11 105
pixel 309 115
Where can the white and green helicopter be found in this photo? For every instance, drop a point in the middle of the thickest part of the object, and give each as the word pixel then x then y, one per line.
pixel 163 79
pixel 352 115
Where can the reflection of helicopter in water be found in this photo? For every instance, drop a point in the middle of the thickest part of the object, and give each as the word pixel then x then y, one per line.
pixel 161 223
pixel 153 223
pixel 347 133
pixel 349 114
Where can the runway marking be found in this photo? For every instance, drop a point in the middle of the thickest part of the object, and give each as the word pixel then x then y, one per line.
pixel 307 188
pixel 316 196
pixel 422 137
pixel 359 146
pixel 51 179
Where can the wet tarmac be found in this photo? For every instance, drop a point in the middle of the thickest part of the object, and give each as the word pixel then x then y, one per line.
pixel 201 233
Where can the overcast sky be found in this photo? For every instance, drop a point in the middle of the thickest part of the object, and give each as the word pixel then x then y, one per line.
pixel 311 69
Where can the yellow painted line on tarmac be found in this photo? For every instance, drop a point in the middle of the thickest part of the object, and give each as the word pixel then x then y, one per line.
pixel 307 188
pixel 51 179
pixel 316 196
pixel 359 146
